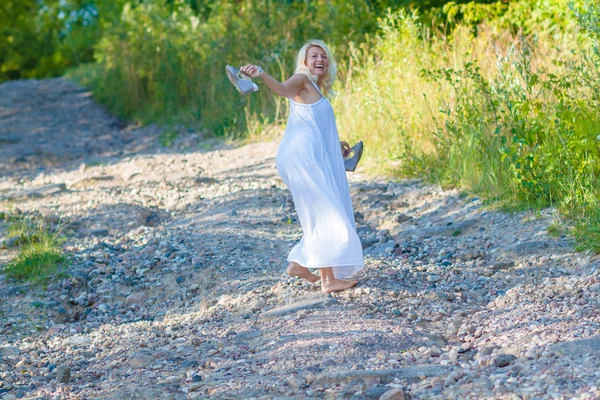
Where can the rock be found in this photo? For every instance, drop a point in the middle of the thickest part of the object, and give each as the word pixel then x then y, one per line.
pixel 578 348
pixel 40 191
pixel 375 392
pixel 412 372
pixel 195 386
pixel 504 264
pixel 301 305
pixel 295 383
pixel 258 305
pixel 394 394
pixel 444 230
pixel 141 360
pixel 400 218
pixel 7 243
pixel 383 249
pixel 76 341
pixel 594 287
pixel 435 352
pixel 52 218
pixel 329 362
pixel 98 232
pixel 9 139
pixel 63 374
pixel 504 360
pixel 135 298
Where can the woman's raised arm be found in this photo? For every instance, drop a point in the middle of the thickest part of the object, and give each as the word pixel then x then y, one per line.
pixel 289 88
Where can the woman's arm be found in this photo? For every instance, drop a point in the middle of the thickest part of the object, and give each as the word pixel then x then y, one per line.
pixel 290 88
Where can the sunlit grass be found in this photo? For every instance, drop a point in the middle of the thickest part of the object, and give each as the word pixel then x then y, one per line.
pixel 40 255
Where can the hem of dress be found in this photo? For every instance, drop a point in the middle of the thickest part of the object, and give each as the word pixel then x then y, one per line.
pixel 328 266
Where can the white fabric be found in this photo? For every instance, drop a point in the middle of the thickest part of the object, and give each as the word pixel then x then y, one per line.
pixel 310 163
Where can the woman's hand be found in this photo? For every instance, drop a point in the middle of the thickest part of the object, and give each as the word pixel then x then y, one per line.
pixel 346 149
pixel 253 71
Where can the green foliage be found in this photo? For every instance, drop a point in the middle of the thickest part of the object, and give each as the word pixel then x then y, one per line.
pixel 162 61
pixel 40 38
pixel 508 117
pixel 168 137
pixel 40 252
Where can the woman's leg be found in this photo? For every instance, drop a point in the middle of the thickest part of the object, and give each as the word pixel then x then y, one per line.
pixel 295 269
pixel 330 284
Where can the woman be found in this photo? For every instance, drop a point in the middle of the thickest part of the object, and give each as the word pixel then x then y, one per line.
pixel 311 165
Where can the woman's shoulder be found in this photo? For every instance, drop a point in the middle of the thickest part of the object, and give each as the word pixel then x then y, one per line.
pixel 300 77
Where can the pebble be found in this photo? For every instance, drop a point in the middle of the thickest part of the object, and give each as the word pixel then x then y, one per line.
pixel 63 374
pixel 393 394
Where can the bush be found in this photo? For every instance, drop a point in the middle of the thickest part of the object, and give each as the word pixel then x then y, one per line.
pixel 509 117
pixel 160 61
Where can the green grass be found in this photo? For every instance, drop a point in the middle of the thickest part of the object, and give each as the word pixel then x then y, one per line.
pixel 554 230
pixel 167 138
pixel 40 255
pixel 587 233
pixel 510 119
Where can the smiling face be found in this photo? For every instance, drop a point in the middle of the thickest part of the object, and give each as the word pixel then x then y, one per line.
pixel 316 61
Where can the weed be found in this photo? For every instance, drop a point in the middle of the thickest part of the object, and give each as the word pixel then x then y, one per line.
pixel 167 138
pixel 554 230
pixel 40 254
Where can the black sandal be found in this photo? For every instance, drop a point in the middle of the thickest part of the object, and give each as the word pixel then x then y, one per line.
pixel 351 162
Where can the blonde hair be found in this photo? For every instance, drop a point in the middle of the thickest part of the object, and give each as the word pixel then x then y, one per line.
pixel 301 67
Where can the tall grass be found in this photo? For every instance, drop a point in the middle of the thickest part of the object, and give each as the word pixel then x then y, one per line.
pixel 507 116
pixel 161 62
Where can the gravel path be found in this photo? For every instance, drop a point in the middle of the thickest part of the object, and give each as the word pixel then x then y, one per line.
pixel 176 286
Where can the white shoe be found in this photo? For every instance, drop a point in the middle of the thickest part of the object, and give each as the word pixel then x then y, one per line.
pixel 242 82
pixel 351 162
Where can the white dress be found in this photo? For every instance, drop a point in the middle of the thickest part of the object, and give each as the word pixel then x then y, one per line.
pixel 310 162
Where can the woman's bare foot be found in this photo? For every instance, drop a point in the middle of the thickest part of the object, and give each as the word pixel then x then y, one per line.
pixel 336 285
pixel 295 269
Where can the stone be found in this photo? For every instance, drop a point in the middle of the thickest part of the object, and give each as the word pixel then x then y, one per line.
pixel 394 394
pixel 375 391
pixel 224 300
pixel 195 386
pixel 444 230
pixel 76 341
pixel 504 360
pixel 310 304
pixel 295 383
pixel 40 191
pixel 63 374
pixel 329 362
pixel 7 243
pixel 135 298
pixel 413 372
pixel 52 218
pixel 98 232
pixel 579 347
pixel 141 360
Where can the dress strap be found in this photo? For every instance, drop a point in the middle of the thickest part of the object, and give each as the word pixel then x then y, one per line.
pixel 317 86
